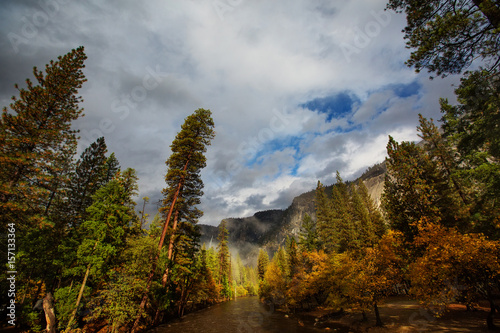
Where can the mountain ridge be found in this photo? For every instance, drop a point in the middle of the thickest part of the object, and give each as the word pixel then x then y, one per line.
pixel 269 229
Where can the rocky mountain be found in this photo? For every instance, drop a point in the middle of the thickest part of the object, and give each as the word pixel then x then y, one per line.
pixel 269 229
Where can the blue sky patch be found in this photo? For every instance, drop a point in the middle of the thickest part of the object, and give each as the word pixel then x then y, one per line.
pixel 335 106
pixel 277 144
pixel 406 90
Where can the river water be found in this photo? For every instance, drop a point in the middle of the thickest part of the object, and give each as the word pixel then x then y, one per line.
pixel 245 315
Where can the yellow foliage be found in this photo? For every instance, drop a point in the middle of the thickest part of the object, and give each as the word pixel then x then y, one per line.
pixel 453 267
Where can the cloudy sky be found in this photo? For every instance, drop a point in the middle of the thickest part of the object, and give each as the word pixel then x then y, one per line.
pixel 298 88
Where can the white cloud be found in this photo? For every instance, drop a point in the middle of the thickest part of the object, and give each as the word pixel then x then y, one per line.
pixel 253 64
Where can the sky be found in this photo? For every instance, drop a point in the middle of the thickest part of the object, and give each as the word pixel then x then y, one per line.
pixel 298 89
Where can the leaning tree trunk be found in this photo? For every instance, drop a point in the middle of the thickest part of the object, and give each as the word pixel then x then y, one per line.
pixel 170 253
pixel 50 315
pixel 160 246
pixel 80 294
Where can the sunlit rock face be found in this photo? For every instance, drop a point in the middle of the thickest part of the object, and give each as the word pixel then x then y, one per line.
pixel 269 229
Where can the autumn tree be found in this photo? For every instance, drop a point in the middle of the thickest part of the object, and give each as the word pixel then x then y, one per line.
pixel 446 36
pixel 455 267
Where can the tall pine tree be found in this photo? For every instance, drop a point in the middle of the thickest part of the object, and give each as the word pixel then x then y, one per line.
pixel 184 186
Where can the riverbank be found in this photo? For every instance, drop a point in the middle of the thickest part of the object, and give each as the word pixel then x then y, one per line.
pixel 402 315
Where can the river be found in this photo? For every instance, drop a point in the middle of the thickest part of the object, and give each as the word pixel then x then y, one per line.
pixel 245 315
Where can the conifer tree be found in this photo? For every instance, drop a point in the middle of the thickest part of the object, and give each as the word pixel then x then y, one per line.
pixel 326 229
pixel 109 222
pixel 308 237
pixel 224 258
pixel 343 219
pixel 375 215
pixel 37 142
pixel 37 145
pixel 362 222
pixel 409 192
pixel 447 36
pixel 262 262
pixel 91 172
pixel 184 186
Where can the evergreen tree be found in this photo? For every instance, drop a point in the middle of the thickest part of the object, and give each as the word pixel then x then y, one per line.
pixel 448 35
pixel 471 129
pixel 224 259
pixel 106 229
pixel 37 145
pixel 292 256
pixel 184 185
pixel 361 219
pixel 375 215
pixel 343 218
pixel 37 142
pixel 308 237
pixel 409 192
pixel 326 229
pixel 262 262
pixel 89 175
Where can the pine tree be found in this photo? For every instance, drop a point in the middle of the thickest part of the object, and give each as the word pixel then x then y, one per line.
pixel 292 257
pixel 262 262
pixel 109 223
pixel 447 36
pixel 326 229
pixel 471 129
pixel 37 142
pixel 376 217
pixel 90 174
pixel 343 219
pixel 361 219
pixel 409 192
pixel 184 185
pixel 308 237
pixel 37 145
pixel 224 259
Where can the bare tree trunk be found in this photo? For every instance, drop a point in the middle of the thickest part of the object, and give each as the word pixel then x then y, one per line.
pixel 50 315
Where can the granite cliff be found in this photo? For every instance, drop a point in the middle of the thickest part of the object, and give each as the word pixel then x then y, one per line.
pixel 269 229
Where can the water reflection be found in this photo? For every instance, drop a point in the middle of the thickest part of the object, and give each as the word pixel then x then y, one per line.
pixel 241 315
